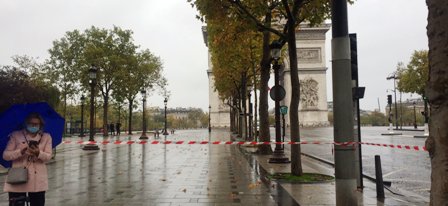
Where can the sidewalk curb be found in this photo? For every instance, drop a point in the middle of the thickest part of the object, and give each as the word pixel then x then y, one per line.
pixel 387 183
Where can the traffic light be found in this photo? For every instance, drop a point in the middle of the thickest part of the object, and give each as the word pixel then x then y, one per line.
pixel 354 56
pixel 389 99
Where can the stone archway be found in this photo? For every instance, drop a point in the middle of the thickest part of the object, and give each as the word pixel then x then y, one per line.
pixel 313 107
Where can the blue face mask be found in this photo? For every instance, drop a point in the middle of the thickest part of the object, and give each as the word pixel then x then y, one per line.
pixel 32 129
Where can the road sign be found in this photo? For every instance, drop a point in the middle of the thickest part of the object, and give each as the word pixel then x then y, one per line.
pixel 284 109
pixel 277 97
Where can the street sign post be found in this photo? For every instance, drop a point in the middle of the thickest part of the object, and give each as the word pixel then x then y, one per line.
pixel 281 93
pixel 284 110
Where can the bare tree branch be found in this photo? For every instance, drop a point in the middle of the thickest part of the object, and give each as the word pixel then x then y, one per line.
pixel 260 25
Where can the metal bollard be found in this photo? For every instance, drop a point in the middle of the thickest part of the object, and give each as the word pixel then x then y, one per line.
pixel 379 177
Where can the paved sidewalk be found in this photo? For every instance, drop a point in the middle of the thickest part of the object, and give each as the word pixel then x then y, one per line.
pixel 324 193
pixel 154 175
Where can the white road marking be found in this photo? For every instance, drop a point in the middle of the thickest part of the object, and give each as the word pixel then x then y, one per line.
pixel 393 172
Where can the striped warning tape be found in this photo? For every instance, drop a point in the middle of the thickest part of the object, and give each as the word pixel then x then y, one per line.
pixel 180 142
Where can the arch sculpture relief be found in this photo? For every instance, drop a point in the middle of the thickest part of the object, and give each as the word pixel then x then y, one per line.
pixel 309 97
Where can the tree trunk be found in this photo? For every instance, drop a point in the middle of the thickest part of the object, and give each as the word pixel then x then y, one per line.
pixel 244 105
pixel 255 131
pixel 232 120
pixel 130 117
pixel 296 162
pixel 65 113
pixel 437 93
pixel 264 79
pixel 105 109
pixel 119 114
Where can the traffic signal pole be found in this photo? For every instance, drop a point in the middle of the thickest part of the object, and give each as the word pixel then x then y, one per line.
pixel 345 157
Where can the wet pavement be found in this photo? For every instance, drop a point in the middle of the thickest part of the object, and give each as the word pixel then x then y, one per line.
pixel 155 175
pixel 408 170
pixel 323 193
pixel 219 174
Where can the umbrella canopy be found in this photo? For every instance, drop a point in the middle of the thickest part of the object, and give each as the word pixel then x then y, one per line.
pixel 13 119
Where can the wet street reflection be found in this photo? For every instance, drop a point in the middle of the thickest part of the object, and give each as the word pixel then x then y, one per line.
pixel 156 174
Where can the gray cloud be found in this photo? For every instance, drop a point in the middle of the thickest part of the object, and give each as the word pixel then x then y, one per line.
pixel 388 32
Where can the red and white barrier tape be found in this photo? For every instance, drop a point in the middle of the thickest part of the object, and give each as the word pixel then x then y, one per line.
pixel 130 142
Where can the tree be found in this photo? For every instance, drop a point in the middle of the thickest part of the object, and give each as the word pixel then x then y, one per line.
pixel 17 87
pixel 218 14
pixel 294 12
pixel 108 50
pixel 113 53
pixel 413 77
pixel 62 66
pixel 141 71
pixel 437 93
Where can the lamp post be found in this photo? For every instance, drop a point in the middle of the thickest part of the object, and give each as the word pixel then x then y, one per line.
pixel 209 119
pixel 81 133
pixel 70 131
pixel 394 77
pixel 415 116
pixel 279 155
pixel 165 132
pixel 92 77
pixel 144 136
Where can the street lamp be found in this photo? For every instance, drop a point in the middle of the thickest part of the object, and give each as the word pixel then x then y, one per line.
pixel 92 76
pixel 279 155
pixel 165 130
pixel 83 99
pixel 144 136
pixel 209 119
pixel 415 116
pixel 394 77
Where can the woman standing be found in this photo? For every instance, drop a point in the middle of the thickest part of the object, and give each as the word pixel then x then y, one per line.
pixel 30 148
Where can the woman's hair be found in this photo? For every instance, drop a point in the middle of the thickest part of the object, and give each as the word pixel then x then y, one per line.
pixel 35 115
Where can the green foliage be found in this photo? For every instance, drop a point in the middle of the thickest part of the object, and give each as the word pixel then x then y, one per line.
pixel 62 68
pixel 414 76
pixel 374 119
pixel 17 87
pixel 122 71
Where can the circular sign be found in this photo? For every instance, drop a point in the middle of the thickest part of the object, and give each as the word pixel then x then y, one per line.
pixel 281 93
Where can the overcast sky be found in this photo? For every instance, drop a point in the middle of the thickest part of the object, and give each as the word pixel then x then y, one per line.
pixel 388 32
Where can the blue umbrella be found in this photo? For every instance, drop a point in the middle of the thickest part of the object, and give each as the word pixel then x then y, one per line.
pixel 13 118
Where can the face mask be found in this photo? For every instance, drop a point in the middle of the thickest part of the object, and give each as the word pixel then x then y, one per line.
pixel 32 129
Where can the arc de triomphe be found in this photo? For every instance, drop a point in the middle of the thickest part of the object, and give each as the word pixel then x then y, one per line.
pixel 313 109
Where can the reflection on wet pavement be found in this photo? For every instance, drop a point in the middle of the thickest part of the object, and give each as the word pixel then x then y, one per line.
pixel 408 170
pixel 155 175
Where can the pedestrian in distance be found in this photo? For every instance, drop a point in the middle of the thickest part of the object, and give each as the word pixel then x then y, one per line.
pixel 112 129
pixel 30 148
pixel 117 128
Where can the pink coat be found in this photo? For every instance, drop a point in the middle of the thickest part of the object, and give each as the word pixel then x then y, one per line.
pixel 37 170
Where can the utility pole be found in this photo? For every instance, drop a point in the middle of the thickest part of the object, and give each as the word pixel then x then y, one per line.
pixel 345 157
pixel 394 77
pixel 379 107
pixel 401 113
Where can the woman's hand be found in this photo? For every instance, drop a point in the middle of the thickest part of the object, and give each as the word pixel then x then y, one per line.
pixel 33 151
pixel 23 150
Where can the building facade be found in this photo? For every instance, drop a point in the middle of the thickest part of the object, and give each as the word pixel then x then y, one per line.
pixel 219 111
pixel 313 109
